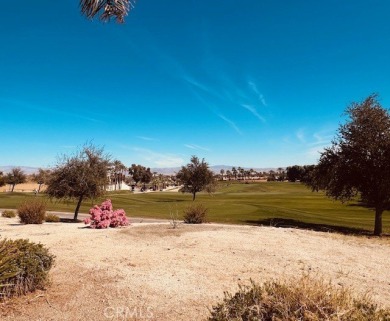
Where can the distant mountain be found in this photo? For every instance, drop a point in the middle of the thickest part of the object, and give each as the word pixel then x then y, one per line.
pixel 27 169
pixel 215 168
pixel 162 170
pixel 165 170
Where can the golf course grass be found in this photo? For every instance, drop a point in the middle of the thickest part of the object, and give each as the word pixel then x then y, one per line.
pixel 265 203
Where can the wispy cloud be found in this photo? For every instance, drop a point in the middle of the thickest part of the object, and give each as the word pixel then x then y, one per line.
pixel 146 138
pixel 315 152
pixel 53 110
pixel 253 110
pixel 260 96
pixel 204 88
pixel 68 146
pixel 159 159
pixel 321 139
pixel 217 112
pixel 300 134
pixel 231 123
pixel 196 147
pixel 230 97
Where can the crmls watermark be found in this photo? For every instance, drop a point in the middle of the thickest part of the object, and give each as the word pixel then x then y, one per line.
pixel 124 312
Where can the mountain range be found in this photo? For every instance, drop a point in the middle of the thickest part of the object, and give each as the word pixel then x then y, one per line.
pixel 162 170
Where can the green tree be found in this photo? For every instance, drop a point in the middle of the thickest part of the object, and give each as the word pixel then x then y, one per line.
pixel 107 9
pixel 294 173
pixel 357 163
pixel 140 174
pixel 271 176
pixel 80 176
pixel 307 173
pixel 16 176
pixel 41 177
pixel 196 177
pixel 299 173
pixel 222 171
pixel 2 179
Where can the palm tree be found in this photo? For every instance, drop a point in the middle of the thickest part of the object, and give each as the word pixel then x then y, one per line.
pixel 234 171
pixel 222 171
pixel 229 174
pixel 107 9
pixel 241 172
pixel 251 173
pixel 117 173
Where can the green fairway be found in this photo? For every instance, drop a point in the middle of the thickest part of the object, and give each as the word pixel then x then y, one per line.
pixel 255 203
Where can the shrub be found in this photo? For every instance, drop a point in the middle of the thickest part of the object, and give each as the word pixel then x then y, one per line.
pixel 32 211
pixel 24 267
pixel 304 299
pixel 52 218
pixel 104 216
pixel 174 216
pixel 8 214
pixel 195 214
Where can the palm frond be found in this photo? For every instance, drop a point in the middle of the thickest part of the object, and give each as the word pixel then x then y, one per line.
pixel 107 9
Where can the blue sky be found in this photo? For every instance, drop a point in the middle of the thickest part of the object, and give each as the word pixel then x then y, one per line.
pixel 247 83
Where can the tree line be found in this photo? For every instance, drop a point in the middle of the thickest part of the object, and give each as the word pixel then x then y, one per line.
pixel 355 167
pixel 87 174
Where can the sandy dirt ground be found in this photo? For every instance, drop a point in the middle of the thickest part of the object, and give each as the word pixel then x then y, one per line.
pixel 153 272
pixel 25 187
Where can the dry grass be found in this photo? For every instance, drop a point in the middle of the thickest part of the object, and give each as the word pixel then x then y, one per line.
pixel 181 273
pixel 195 214
pixel 303 299
pixel 156 231
pixel 32 211
pixel 52 218
pixel 25 187
pixel 8 214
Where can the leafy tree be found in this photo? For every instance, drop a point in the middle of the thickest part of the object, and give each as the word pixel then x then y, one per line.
pixel 294 173
pixel 83 175
pixel 222 171
pixel 16 176
pixel 281 174
pixel 107 9
pixel 2 179
pixel 271 176
pixel 357 163
pixel 41 177
pixel 307 174
pixel 299 173
pixel 140 174
pixel 196 176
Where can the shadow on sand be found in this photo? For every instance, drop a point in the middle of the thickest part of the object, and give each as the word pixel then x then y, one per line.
pixel 70 220
pixel 291 223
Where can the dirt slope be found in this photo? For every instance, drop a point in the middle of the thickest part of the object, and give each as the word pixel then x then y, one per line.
pixel 153 272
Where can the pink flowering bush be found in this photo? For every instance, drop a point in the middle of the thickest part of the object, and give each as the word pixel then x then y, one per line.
pixel 104 216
